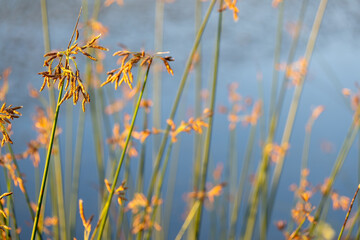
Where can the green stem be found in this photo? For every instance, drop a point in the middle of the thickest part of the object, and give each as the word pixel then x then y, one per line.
pixel 68 154
pixel 198 138
pixel 159 187
pixel 198 69
pixel 59 192
pixel 45 24
pixel 357 234
pixel 97 134
pixel 351 135
pixel 76 174
pixel 294 104
pixel 53 199
pixel 141 170
pixel 295 233
pixel 277 57
pixel 47 162
pixel 188 220
pixel 10 204
pixel 206 157
pixel 243 177
pixel 262 176
pixel 170 190
pixel 157 74
pixel 290 59
pixel 177 99
pixel 27 198
pixel 108 202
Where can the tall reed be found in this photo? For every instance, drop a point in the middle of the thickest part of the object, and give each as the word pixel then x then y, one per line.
pixel 206 156
pixel 177 99
pixel 136 57
pixel 64 74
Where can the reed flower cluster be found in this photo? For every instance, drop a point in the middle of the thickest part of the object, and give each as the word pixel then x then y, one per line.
pixel 127 61
pixel 7 113
pixel 142 209
pixel 234 208
pixel 59 70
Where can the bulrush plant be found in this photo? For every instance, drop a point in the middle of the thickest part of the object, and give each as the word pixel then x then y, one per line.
pixel 239 204
pixel 118 76
pixel 67 75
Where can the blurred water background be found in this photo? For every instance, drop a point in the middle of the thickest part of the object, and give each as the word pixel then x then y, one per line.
pixel 247 48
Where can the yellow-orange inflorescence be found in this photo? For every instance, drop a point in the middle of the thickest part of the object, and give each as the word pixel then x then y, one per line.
pixel 296 71
pixel 128 60
pixel 275 151
pixel 64 73
pixel 3 226
pixel 192 124
pixel 86 222
pixel 5 86
pixel 142 210
pixel 119 137
pixel 315 114
pixel 109 2
pixel 275 3
pixel 120 191
pixel 231 5
pixel 209 195
pixel 7 113
pixel 354 100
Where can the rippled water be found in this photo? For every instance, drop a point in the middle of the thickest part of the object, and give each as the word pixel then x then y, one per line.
pixel 247 47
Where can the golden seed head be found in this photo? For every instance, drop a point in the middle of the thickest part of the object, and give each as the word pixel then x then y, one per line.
pixel 66 70
pixel 127 61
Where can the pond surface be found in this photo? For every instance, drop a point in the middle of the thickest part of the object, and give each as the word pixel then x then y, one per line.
pixel 247 48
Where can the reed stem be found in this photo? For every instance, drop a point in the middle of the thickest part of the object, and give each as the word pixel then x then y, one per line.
pixel 159 187
pixel 177 99
pixel 207 143
pixel 108 202
pixel 295 102
pixel 243 177
pixel 275 75
pixel 188 219
pixel 47 163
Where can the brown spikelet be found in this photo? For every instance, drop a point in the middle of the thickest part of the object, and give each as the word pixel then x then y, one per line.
pixel 77 35
pixel 66 72
pixel 99 47
pixel 127 61
pixel 5 195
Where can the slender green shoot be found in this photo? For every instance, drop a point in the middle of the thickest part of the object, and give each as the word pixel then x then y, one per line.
pixel 48 156
pixel 296 100
pixel 108 202
pixel 46 169
pixel 177 99
pixel 188 219
pixel 207 143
